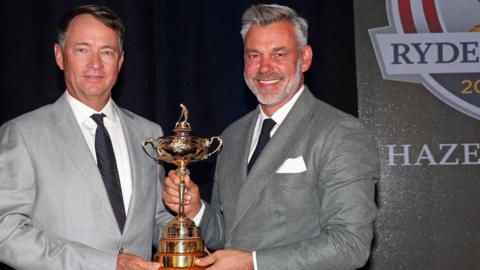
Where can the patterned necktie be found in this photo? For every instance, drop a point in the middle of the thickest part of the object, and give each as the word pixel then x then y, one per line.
pixel 263 139
pixel 108 169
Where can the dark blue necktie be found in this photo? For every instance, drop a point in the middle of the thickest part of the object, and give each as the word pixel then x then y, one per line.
pixel 263 139
pixel 108 169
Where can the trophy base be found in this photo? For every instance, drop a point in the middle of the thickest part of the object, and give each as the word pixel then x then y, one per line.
pixel 172 261
pixel 180 245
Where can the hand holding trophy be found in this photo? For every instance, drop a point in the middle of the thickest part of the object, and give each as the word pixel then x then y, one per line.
pixel 181 242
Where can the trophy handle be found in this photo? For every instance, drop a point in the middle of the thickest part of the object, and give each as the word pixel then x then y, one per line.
pixel 144 145
pixel 220 143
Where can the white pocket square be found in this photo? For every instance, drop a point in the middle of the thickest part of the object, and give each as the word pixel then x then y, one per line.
pixel 293 165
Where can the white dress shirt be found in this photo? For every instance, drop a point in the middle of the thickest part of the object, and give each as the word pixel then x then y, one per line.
pixel 278 117
pixel 112 123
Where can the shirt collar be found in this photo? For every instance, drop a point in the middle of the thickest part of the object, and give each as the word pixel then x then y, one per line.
pixel 82 112
pixel 281 113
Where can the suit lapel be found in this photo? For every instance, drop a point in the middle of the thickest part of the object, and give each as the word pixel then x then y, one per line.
pixel 279 148
pixel 66 129
pixel 238 157
pixel 134 141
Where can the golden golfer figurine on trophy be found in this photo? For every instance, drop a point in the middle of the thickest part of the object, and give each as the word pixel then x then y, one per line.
pixel 181 242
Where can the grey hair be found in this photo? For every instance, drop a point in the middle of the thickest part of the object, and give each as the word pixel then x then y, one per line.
pixel 263 15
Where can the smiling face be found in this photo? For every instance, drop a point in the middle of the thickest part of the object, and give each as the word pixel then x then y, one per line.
pixel 91 60
pixel 274 65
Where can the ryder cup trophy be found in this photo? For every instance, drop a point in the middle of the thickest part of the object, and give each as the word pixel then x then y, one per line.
pixel 181 242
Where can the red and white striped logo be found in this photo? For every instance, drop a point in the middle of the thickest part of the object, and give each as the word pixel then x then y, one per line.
pixel 419 16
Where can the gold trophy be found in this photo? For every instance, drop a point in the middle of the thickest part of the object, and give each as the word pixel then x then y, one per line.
pixel 181 241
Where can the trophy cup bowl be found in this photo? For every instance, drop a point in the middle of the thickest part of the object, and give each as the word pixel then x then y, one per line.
pixel 181 241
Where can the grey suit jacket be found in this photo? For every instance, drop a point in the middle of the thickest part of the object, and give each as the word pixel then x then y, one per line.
pixel 320 218
pixel 54 209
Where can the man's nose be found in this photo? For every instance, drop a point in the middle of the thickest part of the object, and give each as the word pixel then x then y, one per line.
pixel 265 65
pixel 95 61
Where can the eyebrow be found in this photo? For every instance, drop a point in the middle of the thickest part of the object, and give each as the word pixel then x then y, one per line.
pixel 247 50
pixel 281 48
pixel 89 45
pixel 81 44
pixel 276 49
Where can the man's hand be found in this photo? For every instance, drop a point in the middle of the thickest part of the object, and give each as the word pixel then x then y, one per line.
pixel 171 198
pixel 127 261
pixel 231 259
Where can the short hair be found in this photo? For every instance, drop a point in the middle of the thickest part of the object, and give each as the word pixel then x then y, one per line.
pixel 263 15
pixel 102 13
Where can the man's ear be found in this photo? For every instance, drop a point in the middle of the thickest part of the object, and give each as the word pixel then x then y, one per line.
pixel 307 56
pixel 121 61
pixel 58 55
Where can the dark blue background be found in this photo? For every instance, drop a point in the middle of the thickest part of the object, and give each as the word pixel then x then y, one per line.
pixel 175 52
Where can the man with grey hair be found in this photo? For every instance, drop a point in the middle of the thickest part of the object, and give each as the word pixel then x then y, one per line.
pixel 294 184
pixel 76 190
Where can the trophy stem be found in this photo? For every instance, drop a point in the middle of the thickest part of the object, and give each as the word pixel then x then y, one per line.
pixel 182 171
pixel 181 191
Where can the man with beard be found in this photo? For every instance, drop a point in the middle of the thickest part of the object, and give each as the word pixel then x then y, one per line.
pixel 304 201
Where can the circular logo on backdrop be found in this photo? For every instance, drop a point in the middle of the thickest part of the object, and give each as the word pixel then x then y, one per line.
pixel 435 43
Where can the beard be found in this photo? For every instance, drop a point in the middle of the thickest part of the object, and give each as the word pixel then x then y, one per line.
pixel 276 95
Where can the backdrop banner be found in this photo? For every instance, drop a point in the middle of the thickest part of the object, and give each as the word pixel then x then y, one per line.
pixel 418 77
